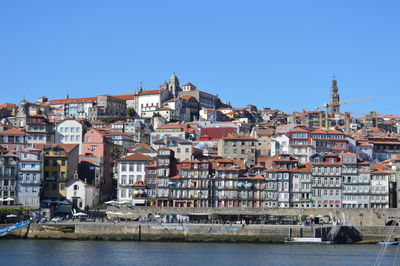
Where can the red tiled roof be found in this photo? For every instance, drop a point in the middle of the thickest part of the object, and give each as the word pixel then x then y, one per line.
pixel 149 92
pixel 12 131
pixel 7 105
pixel 188 98
pixel 68 147
pixel 124 97
pixel 73 100
pixel 189 84
pixel 136 157
pixel 299 129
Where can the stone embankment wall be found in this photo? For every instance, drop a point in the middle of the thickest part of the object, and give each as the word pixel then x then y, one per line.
pixel 353 217
pixel 170 232
pixel 200 232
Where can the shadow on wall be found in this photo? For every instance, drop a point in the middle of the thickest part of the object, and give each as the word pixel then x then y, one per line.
pixel 347 235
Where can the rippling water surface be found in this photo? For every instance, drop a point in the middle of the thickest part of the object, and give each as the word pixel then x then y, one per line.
pixel 62 252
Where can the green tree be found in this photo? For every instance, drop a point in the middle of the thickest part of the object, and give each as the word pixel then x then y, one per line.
pixel 130 111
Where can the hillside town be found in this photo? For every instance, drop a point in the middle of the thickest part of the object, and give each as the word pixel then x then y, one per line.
pixel 180 146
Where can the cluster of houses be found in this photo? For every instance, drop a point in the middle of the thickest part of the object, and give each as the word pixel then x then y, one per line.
pixel 182 147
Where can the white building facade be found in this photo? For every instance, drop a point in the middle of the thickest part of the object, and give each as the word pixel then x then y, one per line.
pixel 131 171
pixel 69 131
pixel 81 194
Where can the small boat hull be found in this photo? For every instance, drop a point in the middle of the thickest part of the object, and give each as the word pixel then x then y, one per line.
pixel 395 243
pixel 304 240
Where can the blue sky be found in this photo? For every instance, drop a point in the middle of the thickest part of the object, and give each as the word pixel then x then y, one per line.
pixel 278 54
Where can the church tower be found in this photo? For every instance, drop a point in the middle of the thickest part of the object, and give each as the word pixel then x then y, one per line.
pixel 334 98
pixel 173 85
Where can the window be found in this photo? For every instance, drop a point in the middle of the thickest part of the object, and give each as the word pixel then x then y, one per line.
pixel 76 187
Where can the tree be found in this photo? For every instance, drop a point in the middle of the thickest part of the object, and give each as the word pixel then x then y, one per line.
pixel 130 111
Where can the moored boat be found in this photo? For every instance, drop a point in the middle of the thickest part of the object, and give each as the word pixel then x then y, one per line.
pixel 306 240
pixel 394 243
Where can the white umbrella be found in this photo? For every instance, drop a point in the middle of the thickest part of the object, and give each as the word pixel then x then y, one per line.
pixel 11 216
pixel 80 214
pixel 125 202
pixel 1 199
pixel 9 199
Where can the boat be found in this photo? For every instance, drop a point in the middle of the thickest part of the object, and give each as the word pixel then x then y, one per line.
pixel 4 231
pixel 385 244
pixel 306 240
pixel 394 243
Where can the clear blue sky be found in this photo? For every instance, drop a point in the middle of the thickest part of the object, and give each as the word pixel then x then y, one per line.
pixel 278 54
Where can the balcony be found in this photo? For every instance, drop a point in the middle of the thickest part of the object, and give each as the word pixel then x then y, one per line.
pixel 35 168
pixel 37 182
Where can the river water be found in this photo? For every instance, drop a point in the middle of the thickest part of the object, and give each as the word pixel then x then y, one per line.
pixel 63 252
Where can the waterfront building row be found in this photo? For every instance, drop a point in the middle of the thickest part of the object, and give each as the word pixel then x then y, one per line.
pixel 328 181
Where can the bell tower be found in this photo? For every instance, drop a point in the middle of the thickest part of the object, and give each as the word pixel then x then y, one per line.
pixel 334 99
pixel 173 85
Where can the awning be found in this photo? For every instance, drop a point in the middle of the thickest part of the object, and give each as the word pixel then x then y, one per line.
pixel 8 199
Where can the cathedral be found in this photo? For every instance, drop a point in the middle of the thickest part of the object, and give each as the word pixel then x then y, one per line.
pixel 172 86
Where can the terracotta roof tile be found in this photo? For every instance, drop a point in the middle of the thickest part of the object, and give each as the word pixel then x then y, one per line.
pixel 12 131
pixel 149 92
pixel 136 157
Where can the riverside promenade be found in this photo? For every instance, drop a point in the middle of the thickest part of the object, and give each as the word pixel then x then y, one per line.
pixel 350 217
